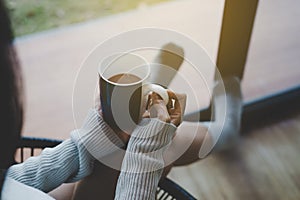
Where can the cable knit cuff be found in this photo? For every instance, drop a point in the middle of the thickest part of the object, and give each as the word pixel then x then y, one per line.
pixel 151 135
pixel 143 162
pixel 146 146
pixel 96 136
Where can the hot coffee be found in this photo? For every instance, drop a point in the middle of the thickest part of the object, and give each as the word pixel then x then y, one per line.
pixel 124 78
pixel 123 85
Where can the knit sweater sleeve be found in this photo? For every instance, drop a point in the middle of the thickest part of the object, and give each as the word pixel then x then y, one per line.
pixel 70 161
pixel 143 162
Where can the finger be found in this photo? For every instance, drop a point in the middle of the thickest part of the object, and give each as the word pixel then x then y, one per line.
pixel 170 103
pixel 146 114
pixel 180 100
pixel 172 96
pixel 160 111
pixel 155 96
pixel 155 99
pixel 149 102
pixel 179 107
pixel 177 104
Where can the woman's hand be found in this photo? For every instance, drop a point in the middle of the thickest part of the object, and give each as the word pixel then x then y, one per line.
pixel 156 108
pixel 170 113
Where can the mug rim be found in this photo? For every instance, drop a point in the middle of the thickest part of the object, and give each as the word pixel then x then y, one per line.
pixel 120 55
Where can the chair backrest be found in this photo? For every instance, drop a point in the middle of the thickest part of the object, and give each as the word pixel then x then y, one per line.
pixel 33 144
pixel 167 189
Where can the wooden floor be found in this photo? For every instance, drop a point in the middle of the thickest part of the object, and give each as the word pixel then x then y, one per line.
pixel 264 165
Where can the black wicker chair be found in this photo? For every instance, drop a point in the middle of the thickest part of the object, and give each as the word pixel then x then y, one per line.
pixel 167 189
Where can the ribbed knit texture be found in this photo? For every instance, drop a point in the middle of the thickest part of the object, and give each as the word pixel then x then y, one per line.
pixel 70 161
pixel 96 136
pixel 143 162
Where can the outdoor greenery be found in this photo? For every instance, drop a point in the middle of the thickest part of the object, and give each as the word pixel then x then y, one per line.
pixel 29 16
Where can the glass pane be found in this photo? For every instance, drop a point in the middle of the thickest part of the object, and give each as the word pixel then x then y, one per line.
pixel 274 53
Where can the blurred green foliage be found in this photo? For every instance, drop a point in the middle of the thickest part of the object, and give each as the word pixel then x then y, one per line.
pixel 29 16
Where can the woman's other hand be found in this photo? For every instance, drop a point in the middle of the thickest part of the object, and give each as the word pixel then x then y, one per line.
pixel 176 107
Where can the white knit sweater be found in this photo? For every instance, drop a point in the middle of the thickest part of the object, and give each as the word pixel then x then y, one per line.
pixel 73 160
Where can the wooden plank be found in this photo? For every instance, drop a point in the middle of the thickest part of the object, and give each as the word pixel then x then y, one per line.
pixel 265 165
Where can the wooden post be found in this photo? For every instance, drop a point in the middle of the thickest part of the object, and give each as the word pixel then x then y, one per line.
pixel 238 19
pixel 237 24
